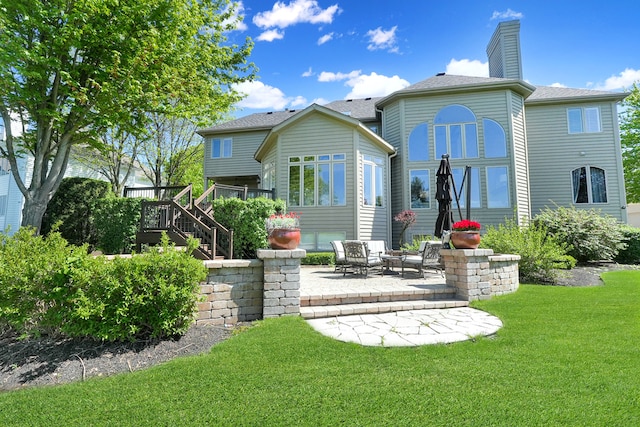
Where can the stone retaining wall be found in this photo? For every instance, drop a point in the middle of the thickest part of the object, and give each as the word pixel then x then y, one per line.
pixel 479 274
pixel 245 290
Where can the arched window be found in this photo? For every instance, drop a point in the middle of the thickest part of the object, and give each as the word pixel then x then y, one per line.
pixel 456 132
pixel 495 141
pixel 589 185
pixel 419 143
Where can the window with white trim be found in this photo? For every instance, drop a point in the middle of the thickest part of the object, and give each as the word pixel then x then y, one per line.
pixel 583 119
pixel 419 143
pixel 317 180
pixel 456 132
pixel 462 188
pixel 373 186
pixel 221 147
pixel 419 194
pixel 589 185
pixel 497 187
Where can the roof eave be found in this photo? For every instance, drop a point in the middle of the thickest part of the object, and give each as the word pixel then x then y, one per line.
pixel 612 97
pixel 525 89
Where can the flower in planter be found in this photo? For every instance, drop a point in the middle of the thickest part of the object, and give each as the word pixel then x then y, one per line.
pixel 466 225
pixel 288 221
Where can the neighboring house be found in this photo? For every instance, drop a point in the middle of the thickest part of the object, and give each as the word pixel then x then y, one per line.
pixel 349 166
pixel 12 200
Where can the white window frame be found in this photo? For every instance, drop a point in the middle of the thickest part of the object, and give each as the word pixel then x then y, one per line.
pixel 314 161
pixel 587 124
pixel 376 185
pixel 589 181
pixel 490 187
pixel 226 147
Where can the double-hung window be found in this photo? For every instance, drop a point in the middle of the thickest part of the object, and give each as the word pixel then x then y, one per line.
pixel 221 148
pixel 583 120
pixel 317 180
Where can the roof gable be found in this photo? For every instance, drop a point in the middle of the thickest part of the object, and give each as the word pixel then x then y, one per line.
pixel 271 137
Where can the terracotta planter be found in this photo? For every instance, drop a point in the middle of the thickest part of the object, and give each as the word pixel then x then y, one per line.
pixel 465 239
pixel 284 238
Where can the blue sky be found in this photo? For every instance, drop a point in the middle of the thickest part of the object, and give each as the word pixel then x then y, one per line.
pixel 321 50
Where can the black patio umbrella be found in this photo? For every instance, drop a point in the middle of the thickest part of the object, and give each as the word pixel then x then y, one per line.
pixel 444 179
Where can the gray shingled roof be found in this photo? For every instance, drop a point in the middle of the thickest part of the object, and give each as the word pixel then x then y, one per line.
pixel 551 93
pixel 446 80
pixel 361 109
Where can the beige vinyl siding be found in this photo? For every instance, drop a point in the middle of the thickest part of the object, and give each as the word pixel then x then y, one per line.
pixel 554 153
pixel 316 135
pixel 373 221
pixel 520 161
pixel 241 163
pixel 484 104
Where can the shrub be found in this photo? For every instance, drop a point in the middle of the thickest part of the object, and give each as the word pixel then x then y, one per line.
pixel 149 295
pixel 319 258
pixel 247 219
pixel 540 253
pixel 47 285
pixel 592 235
pixel 117 220
pixel 630 254
pixel 30 269
pixel 73 207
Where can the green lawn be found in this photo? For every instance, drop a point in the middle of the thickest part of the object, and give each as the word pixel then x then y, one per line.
pixel 566 356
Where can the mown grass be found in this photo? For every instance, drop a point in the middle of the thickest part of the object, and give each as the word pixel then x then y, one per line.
pixel 566 356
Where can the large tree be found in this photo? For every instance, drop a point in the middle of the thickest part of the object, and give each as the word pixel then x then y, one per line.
pixel 70 69
pixel 630 139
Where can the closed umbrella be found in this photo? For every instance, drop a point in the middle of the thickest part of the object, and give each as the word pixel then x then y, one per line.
pixel 443 196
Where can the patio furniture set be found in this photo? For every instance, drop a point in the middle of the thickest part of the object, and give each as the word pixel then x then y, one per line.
pixel 360 256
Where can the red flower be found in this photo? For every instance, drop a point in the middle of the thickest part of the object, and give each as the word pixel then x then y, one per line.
pixel 466 225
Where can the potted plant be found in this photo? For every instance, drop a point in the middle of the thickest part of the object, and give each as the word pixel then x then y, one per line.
pixel 283 230
pixel 465 234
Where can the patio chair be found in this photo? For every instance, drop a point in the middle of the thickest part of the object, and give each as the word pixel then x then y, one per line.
pixel 428 258
pixel 358 256
pixel 341 260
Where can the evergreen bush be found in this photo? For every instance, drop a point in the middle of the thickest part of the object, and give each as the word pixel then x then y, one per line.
pixel 630 254
pixel 71 210
pixel 117 219
pixel 247 219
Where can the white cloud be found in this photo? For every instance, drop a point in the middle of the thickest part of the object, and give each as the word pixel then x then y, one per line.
pixel 363 85
pixel 299 101
pixel 261 96
pixel 327 76
pixel 380 39
pixel 320 101
pixel 624 80
pixel 327 37
pixel 557 85
pixel 308 73
pixel 270 35
pixel 467 67
pixel 296 12
pixel 507 14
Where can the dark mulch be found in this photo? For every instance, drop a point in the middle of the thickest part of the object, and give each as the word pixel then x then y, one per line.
pixel 49 361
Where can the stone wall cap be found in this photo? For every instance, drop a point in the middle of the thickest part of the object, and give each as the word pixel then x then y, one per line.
pixel 220 263
pixel 504 257
pixel 281 253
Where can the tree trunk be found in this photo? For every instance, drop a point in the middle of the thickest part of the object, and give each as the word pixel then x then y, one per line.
pixel 33 210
